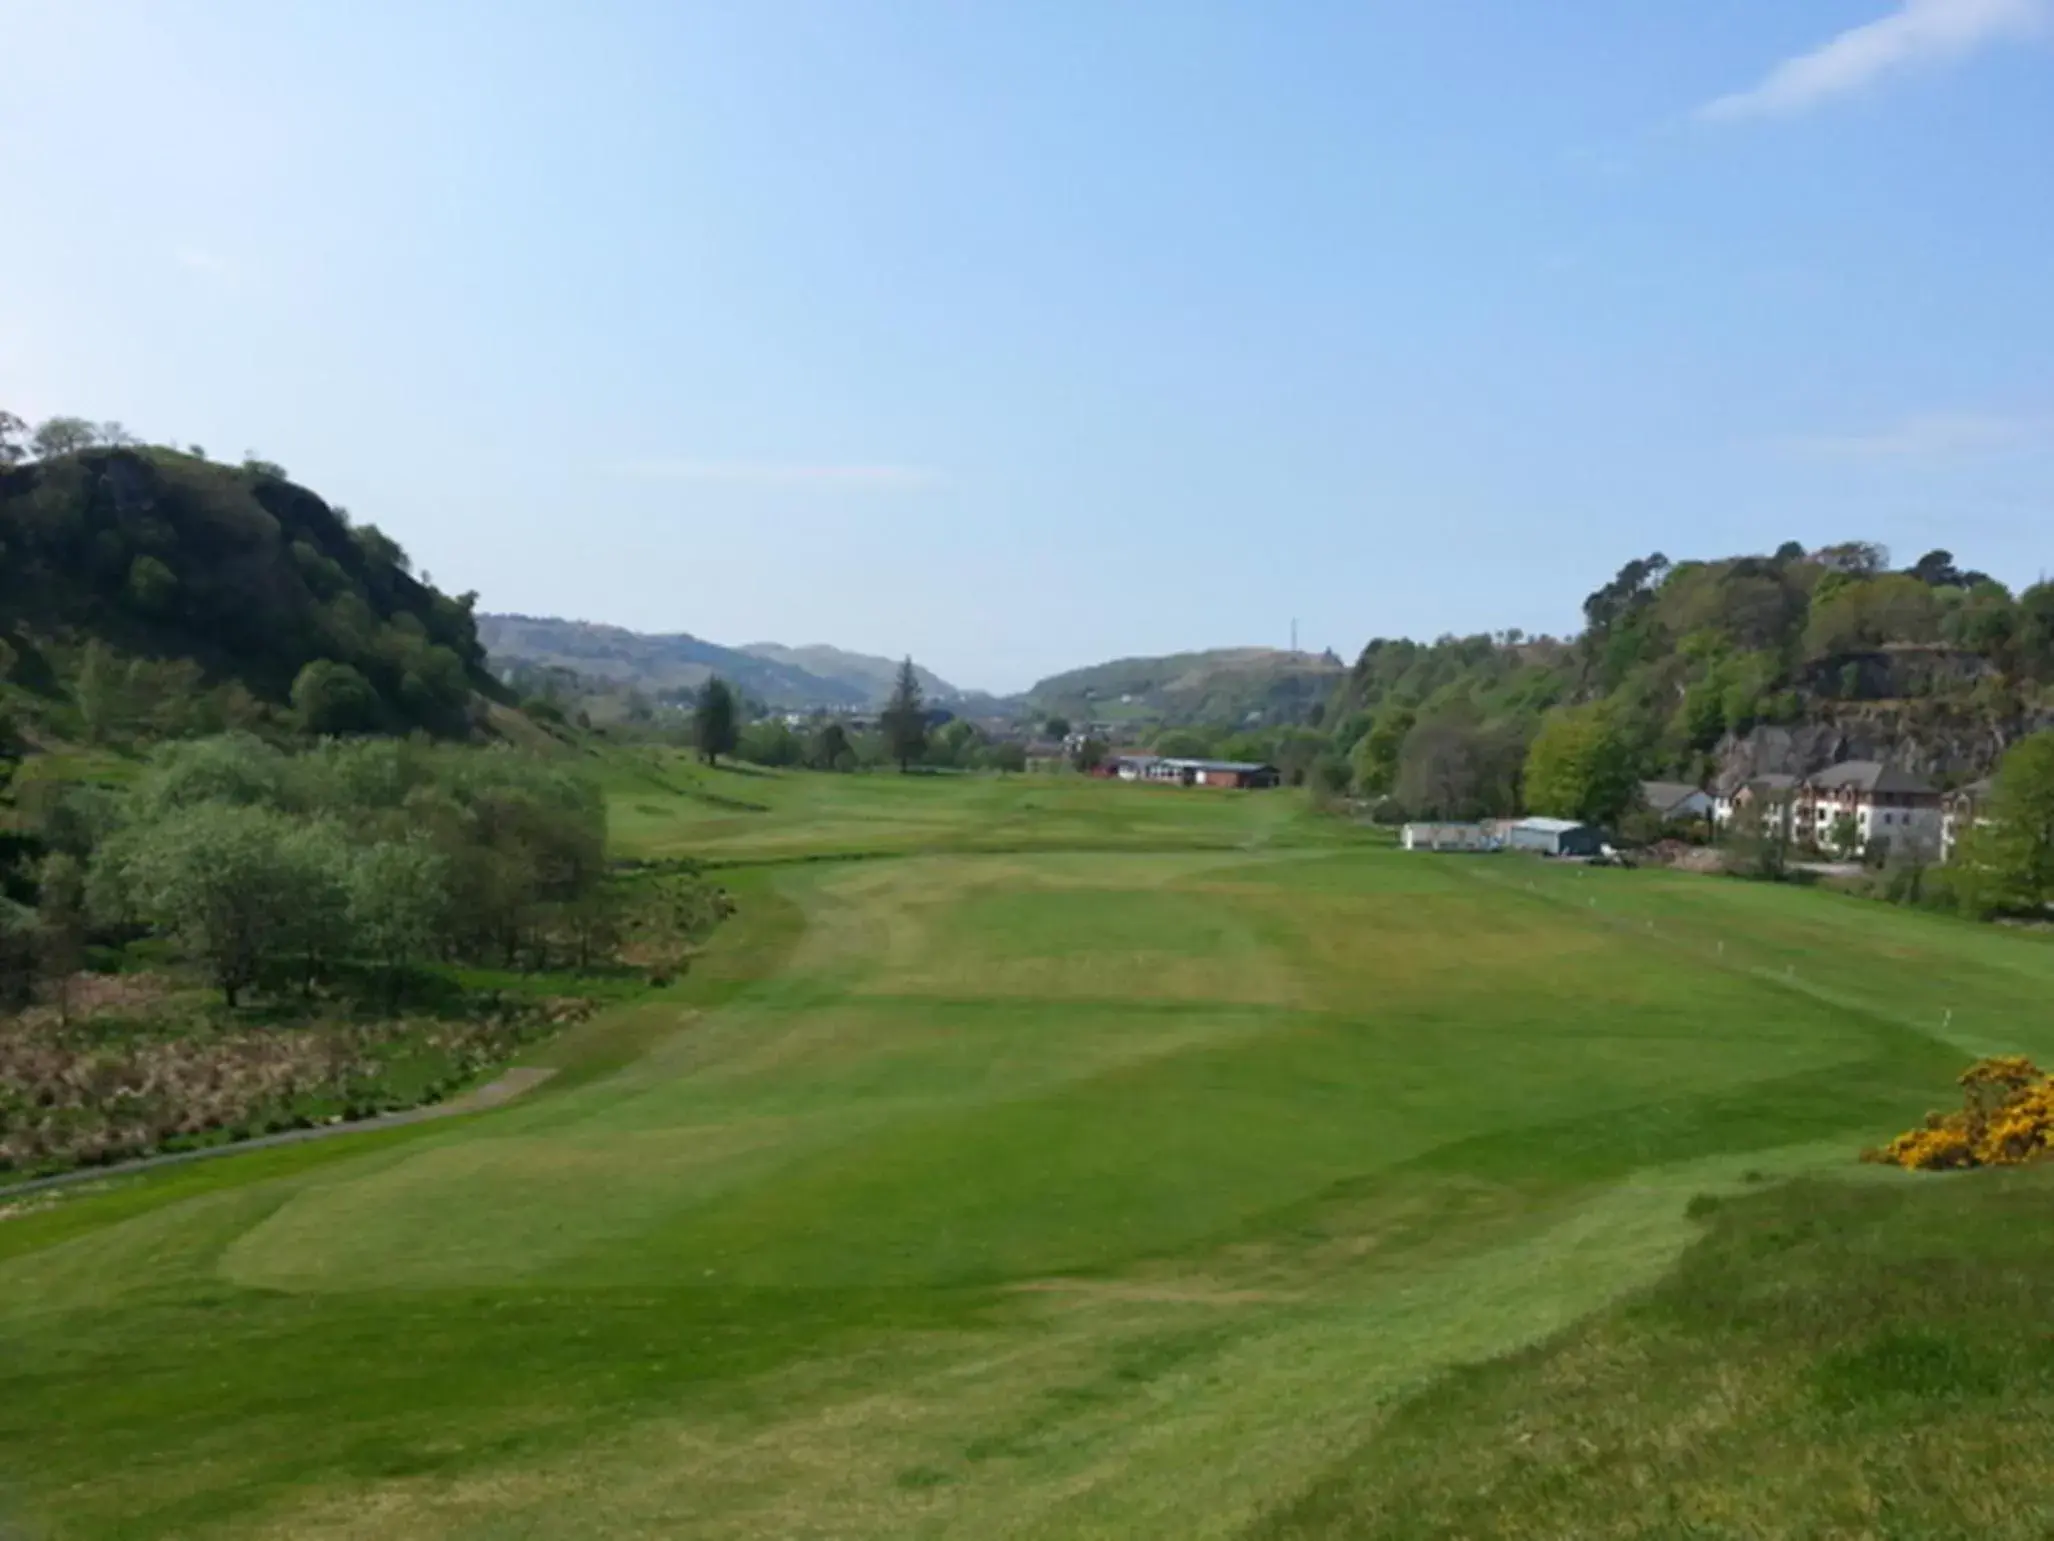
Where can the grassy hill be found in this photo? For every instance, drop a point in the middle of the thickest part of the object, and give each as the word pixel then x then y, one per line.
pixel 1230 687
pixel 144 588
pixel 1105 1160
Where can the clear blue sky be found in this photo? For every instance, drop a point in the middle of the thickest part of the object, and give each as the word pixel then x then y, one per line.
pixel 1018 336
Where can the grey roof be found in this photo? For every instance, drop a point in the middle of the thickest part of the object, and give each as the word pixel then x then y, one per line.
pixel 1867 776
pixel 1664 795
pixel 1544 826
pixel 1219 765
pixel 1976 791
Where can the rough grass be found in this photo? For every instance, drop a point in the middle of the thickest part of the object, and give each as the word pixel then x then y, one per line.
pixel 1004 1192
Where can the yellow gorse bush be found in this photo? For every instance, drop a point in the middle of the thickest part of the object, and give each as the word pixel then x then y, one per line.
pixel 2006 1119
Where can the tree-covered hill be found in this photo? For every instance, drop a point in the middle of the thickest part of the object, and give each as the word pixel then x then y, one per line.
pixel 1713 670
pixel 1225 686
pixel 158 590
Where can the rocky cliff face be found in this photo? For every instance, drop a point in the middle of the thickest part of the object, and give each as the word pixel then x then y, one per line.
pixel 1948 745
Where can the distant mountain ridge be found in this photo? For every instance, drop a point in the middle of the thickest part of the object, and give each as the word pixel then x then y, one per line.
pixel 790 678
pixel 867 671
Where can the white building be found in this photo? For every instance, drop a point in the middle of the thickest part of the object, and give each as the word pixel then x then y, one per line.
pixel 1882 801
pixel 1447 837
pixel 1770 797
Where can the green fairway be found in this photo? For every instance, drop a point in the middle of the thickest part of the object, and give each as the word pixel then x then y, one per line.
pixel 1090 1161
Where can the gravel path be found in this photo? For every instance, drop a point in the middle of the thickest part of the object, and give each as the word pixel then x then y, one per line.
pixel 509 1085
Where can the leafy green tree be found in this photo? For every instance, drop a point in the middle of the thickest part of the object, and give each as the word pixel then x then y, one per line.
pixel 1007 758
pixel 714 727
pixel 61 923
pixel 1377 752
pixel 13 439
pixel 830 750
pixel 217 877
pixel 769 742
pixel 261 469
pixel 1057 727
pixel 101 691
pixel 315 863
pixel 64 436
pixel 1757 843
pixel 2020 847
pixel 1183 744
pixel 397 899
pixel 1090 754
pixel 904 720
pixel 331 698
pixel 959 744
pixel 1843 835
pixel 1581 766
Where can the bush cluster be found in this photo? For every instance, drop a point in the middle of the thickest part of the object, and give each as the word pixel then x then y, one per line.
pixel 2006 1119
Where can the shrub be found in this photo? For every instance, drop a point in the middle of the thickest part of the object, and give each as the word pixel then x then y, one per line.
pixel 2006 1119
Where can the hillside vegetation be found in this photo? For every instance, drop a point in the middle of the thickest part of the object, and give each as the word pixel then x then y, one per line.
pixel 1696 670
pixel 148 591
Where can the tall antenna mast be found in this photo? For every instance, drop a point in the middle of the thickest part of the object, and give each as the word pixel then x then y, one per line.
pixel 1294 633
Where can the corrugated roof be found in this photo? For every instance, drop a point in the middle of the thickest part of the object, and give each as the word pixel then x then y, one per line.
pixel 1543 826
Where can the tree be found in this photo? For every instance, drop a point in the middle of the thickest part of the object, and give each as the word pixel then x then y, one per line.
pixel 397 900
pixel 830 750
pixel 769 742
pixel 2020 847
pixel 64 436
pixel 152 586
pixel 1057 727
pixel 1010 757
pixel 1376 754
pixel 1859 558
pixel 261 469
pixel 1090 754
pixel 1453 767
pixel 904 720
pixel 1758 842
pixel 13 439
pixel 714 728
pixel 1843 835
pixel 959 744
pixel 1582 766
pixel 1183 744
pixel 215 876
pixel 61 923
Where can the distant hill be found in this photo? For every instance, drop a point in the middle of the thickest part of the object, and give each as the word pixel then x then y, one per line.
pixel 669 664
pixel 1252 686
pixel 147 591
pixel 867 672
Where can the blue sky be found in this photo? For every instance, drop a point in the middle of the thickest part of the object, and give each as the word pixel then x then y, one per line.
pixel 1017 336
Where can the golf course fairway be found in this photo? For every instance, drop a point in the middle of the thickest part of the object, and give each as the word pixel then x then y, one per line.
pixel 1047 1159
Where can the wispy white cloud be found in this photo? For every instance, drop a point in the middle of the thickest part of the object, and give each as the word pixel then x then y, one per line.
pixel 1918 32
pixel 1934 436
pixel 197 259
pixel 746 473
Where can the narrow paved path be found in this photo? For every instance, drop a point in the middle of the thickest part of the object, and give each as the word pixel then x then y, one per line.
pixel 505 1088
